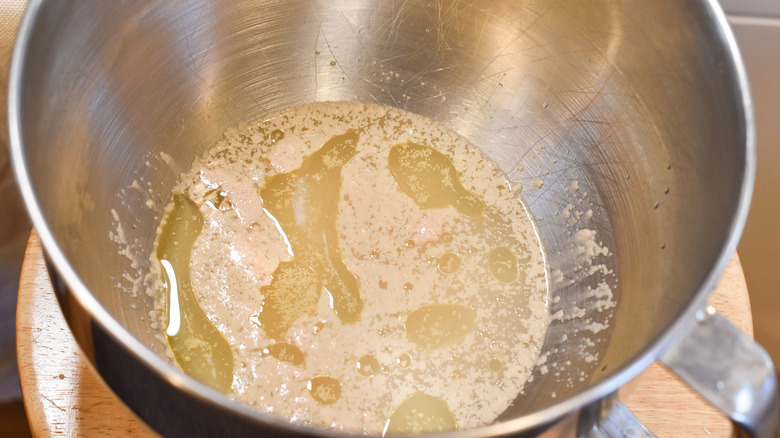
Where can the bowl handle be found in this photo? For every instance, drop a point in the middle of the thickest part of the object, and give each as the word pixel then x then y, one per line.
pixel 608 418
pixel 722 364
pixel 730 370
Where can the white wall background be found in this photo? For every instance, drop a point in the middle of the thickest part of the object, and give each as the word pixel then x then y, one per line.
pixel 756 24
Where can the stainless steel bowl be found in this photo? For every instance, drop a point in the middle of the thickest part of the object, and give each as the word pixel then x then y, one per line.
pixel 644 104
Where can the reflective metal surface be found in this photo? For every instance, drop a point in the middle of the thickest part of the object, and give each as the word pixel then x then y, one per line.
pixel 643 104
pixel 729 370
pixel 608 418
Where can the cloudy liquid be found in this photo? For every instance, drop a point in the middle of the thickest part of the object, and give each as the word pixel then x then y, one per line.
pixel 354 267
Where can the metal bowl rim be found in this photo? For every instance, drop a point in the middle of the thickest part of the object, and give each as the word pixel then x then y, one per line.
pixel 527 422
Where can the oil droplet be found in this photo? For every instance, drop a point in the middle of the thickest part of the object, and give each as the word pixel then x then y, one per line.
pixel 374 255
pixel 408 287
pixel 333 63
pixel 503 265
pixel 367 365
pixel 438 325
pixel 276 135
pixel 285 352
pixel 293 292
pixel 446 237
pixel 198 347
pixel 449 263
pixel 325 390
pixel 304 204
pixel 409 243
pixel 420 413
pixel 495 365
pixel 404 361
pixel 430 179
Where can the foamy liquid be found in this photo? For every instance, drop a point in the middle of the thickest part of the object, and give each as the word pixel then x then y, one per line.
pixel 451 283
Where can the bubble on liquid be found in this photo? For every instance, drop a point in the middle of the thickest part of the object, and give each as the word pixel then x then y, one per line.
pixel 495 365
pixel 276 135
pixel 449 263
pixel 404 361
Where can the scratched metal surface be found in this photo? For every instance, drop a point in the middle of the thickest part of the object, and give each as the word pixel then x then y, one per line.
pixel 636 102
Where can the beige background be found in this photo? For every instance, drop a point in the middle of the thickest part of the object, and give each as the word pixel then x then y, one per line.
pixel 759 249
pixel 14 225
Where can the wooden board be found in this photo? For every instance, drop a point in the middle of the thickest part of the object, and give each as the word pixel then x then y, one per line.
pixel 64 396
pixel 62 392
pixel 668 407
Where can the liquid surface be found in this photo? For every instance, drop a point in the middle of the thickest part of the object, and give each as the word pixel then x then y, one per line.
pixel 437 325
pixel 359 268
pixel 304 204
pixel 199 348
pixel 421 413
pixel 430 179
pixel 285 352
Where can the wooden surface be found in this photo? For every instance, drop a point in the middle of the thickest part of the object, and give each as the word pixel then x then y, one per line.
pixel 667 406
pixel 62 393
pixel 64 396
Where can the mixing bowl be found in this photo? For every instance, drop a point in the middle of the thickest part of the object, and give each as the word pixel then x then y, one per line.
pixel 628 119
